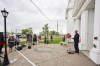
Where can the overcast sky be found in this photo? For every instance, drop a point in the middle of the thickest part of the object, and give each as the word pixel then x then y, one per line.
pixel 23 14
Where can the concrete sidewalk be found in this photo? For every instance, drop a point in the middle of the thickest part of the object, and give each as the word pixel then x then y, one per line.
pixel 50 55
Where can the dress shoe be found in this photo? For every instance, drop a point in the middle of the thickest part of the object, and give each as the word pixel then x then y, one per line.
pixel 76 52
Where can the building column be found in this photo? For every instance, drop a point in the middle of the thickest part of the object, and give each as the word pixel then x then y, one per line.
pixel 90 29
pixel 95 51
pixel 76 24
pixel 83 30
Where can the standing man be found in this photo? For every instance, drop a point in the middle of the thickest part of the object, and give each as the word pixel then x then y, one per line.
pixel 45 39
pixel 35 39
pixel 76 41
pixel 51 37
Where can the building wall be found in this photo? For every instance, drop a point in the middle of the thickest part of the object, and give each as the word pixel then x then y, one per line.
pixel 70 19
pixel 70 23
pixel 76 25
pixel 89 26
pixel 95 51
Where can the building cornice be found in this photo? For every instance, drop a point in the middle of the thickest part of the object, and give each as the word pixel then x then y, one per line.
pixel 77 6
pixel 69 7
pixel 82 8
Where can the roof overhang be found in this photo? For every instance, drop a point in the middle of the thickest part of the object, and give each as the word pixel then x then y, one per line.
pixel 69 7
pixel 77 6
pixel 87 4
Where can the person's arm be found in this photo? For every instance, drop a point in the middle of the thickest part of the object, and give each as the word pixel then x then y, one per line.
pixel 73 37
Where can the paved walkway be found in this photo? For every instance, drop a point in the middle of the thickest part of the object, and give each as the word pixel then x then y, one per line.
pixel 50 55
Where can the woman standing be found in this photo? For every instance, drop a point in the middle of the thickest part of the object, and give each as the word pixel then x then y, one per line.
pixel 11 43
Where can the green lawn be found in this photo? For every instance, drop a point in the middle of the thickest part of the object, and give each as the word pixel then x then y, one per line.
pixel 56 40
pixel 22 42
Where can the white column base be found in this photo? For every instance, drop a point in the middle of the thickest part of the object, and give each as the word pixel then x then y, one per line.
pixel 95 56
pixel 82 46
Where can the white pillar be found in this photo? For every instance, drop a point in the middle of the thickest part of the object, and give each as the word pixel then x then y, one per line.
pixel 90 29
pixel 76 24
pixel 95 52
pixel 70 24
pixel 83 35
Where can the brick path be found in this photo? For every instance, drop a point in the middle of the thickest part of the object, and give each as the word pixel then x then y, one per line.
pixel 50 55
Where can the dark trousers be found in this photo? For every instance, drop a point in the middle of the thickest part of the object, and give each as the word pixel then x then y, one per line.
pixel 45 41
pixel 1 46
pixel 76 47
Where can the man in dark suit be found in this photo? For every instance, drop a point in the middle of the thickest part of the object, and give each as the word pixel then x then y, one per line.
pixel 76 41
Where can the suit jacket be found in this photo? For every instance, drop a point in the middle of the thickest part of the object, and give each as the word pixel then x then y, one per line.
pixel 76 38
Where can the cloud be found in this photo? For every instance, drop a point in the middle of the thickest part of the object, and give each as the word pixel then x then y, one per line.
pixel 23 14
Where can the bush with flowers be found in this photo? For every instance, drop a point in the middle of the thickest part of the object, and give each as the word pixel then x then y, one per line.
pixel 68 37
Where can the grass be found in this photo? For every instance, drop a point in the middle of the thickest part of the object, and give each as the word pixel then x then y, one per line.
pixel 22 42
pixel 55 40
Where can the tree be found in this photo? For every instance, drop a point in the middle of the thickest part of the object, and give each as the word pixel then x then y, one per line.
pixel 45 29
pixel 12 33
pixel 45 32
pixel 25 31
pixel 30 30
pixel 54 32
pixel 41 33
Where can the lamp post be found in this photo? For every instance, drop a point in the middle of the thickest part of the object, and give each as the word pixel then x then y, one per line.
pixel 6 60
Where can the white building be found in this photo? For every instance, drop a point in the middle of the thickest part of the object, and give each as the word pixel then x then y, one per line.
pixel 86 16
pixel 70 20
